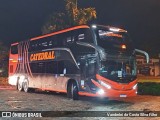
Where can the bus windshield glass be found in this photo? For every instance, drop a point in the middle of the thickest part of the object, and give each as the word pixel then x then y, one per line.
pixel 120 69
pixel 113 40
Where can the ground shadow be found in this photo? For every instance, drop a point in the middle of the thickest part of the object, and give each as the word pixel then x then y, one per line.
pixel 94 100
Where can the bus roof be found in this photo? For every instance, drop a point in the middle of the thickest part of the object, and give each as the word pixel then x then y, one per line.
pixel 73 28
pixel 57 32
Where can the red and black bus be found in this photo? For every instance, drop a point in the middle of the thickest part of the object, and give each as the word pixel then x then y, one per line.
pixel 85 60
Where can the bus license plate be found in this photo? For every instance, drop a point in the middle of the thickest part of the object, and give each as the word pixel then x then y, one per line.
pixel 123 95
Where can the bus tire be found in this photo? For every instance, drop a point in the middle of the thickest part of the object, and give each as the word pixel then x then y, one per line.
pixel 26 85
pixel 72 90
pixel 19 86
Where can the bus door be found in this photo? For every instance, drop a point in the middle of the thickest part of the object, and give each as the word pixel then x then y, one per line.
pixel 67 67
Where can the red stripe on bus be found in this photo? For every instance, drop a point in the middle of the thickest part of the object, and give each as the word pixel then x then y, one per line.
pixel 14 44
pixel 58 32
pixel 87 94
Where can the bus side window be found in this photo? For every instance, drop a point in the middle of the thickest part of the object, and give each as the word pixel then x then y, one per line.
pixel 81 37
pixel 14 49
pixel 41 67
pixel 70 67
pixel 52 67
pixel 68 39
pixel 61 40
pixel 34 46
pixel 60 67
pixel 38 67
pixel 44 44
pixel 33 67
pixel 53 41
pixel 84 35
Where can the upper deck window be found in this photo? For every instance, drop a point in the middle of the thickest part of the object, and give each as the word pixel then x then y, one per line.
pixel 113 40
pixel 84 35
pixel 80 37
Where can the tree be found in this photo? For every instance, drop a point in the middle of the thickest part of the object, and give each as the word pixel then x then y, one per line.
pixel 70 17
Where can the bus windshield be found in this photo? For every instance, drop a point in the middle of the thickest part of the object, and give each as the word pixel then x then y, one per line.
pixel 113 40
pixel 119 69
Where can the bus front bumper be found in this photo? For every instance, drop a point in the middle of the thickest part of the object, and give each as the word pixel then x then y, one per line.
pixel 111 93
pixel 112 89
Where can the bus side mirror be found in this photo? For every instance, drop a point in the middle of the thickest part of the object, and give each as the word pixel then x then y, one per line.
pixel 143 52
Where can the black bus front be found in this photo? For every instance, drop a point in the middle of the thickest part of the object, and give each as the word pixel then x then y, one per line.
pixel 116 75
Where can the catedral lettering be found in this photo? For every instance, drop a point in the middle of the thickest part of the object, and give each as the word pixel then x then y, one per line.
pixel 42 56
pixel 95 61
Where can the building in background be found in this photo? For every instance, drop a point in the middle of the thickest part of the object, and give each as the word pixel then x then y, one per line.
pixel 150 69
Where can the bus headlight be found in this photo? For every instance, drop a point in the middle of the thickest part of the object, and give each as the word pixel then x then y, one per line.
pixel 105 85
pixel 94 26
pixel 101 91
pixel 135 86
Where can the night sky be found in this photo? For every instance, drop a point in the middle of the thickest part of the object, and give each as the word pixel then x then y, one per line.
pixel 23 19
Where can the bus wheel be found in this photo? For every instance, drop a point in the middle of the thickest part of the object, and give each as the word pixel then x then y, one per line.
pixel 72 91
pixel 19 86
pixel 25 85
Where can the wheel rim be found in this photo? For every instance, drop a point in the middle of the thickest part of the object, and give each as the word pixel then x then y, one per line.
pixel 19 86
pixel 72 90
pixel 25 87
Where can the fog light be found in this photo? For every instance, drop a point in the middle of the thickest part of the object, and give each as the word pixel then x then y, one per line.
pixel 100 91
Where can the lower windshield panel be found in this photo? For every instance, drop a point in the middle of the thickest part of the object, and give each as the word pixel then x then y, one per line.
pixel 122 70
